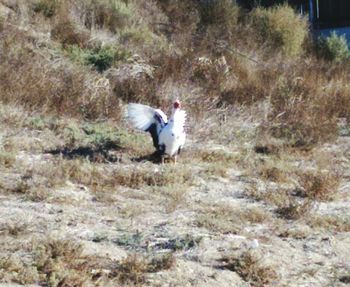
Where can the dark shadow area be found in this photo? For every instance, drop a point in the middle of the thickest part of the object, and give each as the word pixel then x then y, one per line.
pixel 100 153
pixel 154 158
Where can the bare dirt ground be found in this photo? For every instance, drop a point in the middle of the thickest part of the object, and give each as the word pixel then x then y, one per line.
pixel 203 222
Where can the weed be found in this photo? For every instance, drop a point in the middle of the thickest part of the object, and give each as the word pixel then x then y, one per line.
pixel 216 170
pixel 287 205
pixel 133 269
pixel 102 58
pixel 226 219
pixel 222 13
pixel 137 178
pixel 2 21
pixel 40 122
pixel 318 185
pixel 67 33
pixel 13 229
pixel 175 195
pixel 297 115
pixel 333 48
pixel 49 8
pixel 295 209
pixel 7 159
pixel 218 156
pixel 281 27
pixel 332 222
pixel 132 241
pixel 61 89
pixel 51 262
pixel 180 243
pixel 250 269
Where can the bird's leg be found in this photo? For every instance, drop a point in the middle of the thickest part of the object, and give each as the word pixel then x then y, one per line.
pixel 163 159
pixel 175 159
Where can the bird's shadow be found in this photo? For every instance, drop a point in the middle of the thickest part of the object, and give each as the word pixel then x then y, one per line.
pixel 154 157
pixel 109 152
pixel 99 153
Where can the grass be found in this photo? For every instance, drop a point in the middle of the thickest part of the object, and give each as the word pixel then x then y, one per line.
pixel 53 262
pixel 252 85
pixel 7 159
pixel 68 33
pixel 333 48
pixel 250 268
pixel 47 7
pixel 13 229
pixel 318 185
pixel 281 28
pixel 334 223
pixel 56 262
pixel 133 269
pixel 225 219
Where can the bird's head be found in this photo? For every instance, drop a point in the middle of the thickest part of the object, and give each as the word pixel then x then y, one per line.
pixel 177 104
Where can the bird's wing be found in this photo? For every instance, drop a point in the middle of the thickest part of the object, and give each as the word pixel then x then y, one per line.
pixel 147 119
pixel 142 116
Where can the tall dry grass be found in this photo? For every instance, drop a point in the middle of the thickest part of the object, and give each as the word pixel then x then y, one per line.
pixel 231 56
pixel 32 77
pixel 280 28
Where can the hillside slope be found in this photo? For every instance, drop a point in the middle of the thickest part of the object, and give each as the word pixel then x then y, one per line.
pixel 260 196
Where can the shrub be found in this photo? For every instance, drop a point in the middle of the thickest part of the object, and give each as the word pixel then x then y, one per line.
pixel 2 21
pixel 61 88
pixel 318 185
pixel 7 159
pixel 102 58
pixel 67 33
pixel 250 268
pixel 333 48
pixel 220 13
pixel 281 28
pixel 77 54
pixel 300 113
pixel 142 37
pixel 47 7
pixel 110 14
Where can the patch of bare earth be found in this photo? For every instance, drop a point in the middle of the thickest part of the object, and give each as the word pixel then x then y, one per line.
pixel 223 216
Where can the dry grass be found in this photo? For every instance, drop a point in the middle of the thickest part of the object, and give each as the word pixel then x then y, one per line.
pixel 318 185
pixel 13 229
pixel 133 269
pixel 174 196
pixel 296 115
pixel 61 88
pixel 281 28
pixel 226 219
pixel 337 223
pixel 56 262
pixel 250 268
pixel 53 263
pixel 77 61
pixel 67 34
pixel 7 159
pixel 286 205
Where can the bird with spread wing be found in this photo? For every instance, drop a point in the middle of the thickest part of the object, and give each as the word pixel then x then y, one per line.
pixel 168 135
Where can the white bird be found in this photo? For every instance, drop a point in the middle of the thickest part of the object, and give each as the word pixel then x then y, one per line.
pixel 168 136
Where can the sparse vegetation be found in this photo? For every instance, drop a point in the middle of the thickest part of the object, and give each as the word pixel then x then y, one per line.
pixel 226 219
pixel 132 269
pixel 248 266
pixel 7 159
pixel 47 7
pixel 281 28
pixel 83 198
pixel 333 48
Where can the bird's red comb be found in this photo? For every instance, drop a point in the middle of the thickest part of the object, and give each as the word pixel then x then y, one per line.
pixel 177 104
